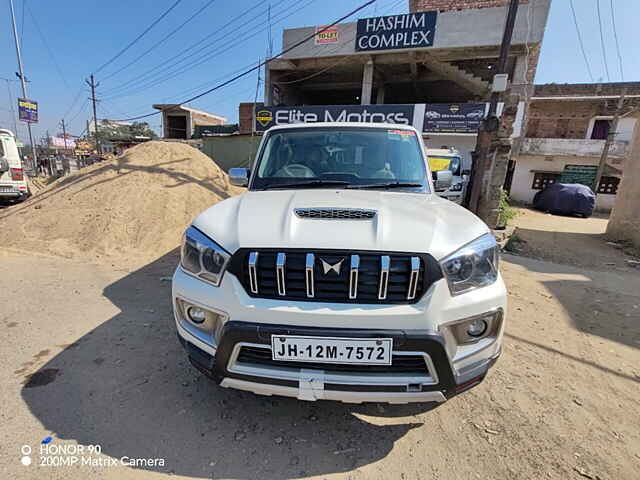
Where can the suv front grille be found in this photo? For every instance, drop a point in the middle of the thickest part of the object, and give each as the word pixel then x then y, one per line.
pixel 335 276
pixel 400 364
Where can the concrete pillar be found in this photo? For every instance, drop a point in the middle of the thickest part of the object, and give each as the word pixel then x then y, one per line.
pixel 380 95
pixel 624 223
pixel 367 83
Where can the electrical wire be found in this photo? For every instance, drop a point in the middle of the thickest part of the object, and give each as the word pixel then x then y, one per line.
pixel 47 46
pixel 604 51
pixel 260 64
pixel 201 55
pixel 73 103
pixel 83 107
pixel 135 40
pixel 584 53
pixel 615 35
pixel 164 39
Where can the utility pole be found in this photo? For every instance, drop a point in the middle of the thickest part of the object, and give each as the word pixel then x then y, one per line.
pixel 92 83
pixel 613 130
pixel 34 162
pixel 488 134
pixel 64 136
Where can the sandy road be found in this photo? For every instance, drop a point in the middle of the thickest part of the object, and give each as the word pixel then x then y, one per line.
pixel 563 402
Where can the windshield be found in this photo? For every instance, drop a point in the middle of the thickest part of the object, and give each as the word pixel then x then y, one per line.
pixel 438 163
pixel 341 158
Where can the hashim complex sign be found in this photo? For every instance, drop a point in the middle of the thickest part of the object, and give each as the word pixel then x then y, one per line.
pixel 427 118
pixel 27 110
pixel 413 30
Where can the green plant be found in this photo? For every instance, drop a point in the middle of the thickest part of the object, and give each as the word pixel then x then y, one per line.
pixel 505 211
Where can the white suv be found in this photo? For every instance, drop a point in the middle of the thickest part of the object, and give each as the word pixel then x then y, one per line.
pixel 340 275
pixel 13 182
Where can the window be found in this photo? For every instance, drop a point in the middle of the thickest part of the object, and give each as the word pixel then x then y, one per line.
pixel 608 185
pixel 542 179
pixel 346 156
pixel 600 129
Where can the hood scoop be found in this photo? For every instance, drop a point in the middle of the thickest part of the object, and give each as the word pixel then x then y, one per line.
pixel 336 213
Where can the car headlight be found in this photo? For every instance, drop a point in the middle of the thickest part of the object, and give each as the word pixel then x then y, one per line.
pixel 456 187
pixel 202 257
pixel 473 266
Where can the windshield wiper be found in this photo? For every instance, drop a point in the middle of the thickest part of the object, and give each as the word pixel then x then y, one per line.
pixel 387 185
pixel 308 183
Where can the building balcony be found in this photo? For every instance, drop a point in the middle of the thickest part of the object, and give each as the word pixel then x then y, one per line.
pixel 572 147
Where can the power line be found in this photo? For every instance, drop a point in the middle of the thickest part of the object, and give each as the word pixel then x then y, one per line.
pixel 135 40
pixel 147 80
pixel 157 44
pixel 604 51
pixel 615 35
pixel 46 45
pixel 584 54
pixel 260 64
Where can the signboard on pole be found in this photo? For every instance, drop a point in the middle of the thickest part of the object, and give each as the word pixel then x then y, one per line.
pixel 413 30
pixel 27 110
pixel 453 117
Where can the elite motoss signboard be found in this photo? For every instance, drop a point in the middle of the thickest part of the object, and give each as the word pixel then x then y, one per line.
pixel 27 110
pixel 428 118
pixel 413 30
pixel 453 117
pixel 267 117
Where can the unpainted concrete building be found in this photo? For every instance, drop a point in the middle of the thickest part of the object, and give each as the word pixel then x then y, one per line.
pixel 566 129
pixel 179 121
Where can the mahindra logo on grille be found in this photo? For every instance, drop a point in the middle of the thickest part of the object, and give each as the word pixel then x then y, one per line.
pixel 327 267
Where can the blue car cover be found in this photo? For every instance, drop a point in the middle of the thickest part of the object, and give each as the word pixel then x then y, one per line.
pixel 566 199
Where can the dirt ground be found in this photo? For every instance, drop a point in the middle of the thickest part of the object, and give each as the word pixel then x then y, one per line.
pixel 90 357
pixel 570 240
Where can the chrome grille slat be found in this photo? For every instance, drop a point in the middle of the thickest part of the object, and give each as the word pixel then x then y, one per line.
pixel 353 276
pixel 336 213
pixel 253 274
pixel 308 272
pixel 280 262
pixel 385 264
pixel 413 279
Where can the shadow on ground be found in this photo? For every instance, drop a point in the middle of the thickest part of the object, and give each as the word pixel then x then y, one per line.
pixel 128 387
pixel 606 304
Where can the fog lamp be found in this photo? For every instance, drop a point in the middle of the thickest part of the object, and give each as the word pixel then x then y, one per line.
pixel 477 328
pixel 196 315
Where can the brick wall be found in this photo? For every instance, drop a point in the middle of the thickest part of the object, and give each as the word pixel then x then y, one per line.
pixel 584 89
pixel 245 116
pixel 448 5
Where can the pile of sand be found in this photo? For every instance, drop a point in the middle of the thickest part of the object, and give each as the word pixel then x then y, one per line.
pixel 133 208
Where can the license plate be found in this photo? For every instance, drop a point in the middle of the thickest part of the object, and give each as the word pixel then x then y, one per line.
pixel 369 351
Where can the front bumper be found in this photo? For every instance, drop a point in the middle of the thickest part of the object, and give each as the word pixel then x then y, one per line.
pixel 417 329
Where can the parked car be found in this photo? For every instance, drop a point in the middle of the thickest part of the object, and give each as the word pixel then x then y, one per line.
pixel 340 277
pixel 566 199
pixel 449 160
pixel 13 182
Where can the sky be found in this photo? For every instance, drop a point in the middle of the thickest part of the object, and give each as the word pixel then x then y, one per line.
pixel 64 42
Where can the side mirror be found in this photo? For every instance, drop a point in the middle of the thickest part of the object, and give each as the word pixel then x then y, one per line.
pixel 239 177
pixel 466 171
pixel 444 179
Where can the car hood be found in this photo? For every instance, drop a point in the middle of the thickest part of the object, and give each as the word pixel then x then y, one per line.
pixel 405 222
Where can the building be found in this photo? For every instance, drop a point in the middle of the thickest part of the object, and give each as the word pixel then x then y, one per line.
pixel 179 121
pixel 624 223
pixel 432 68
pixel 566 129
